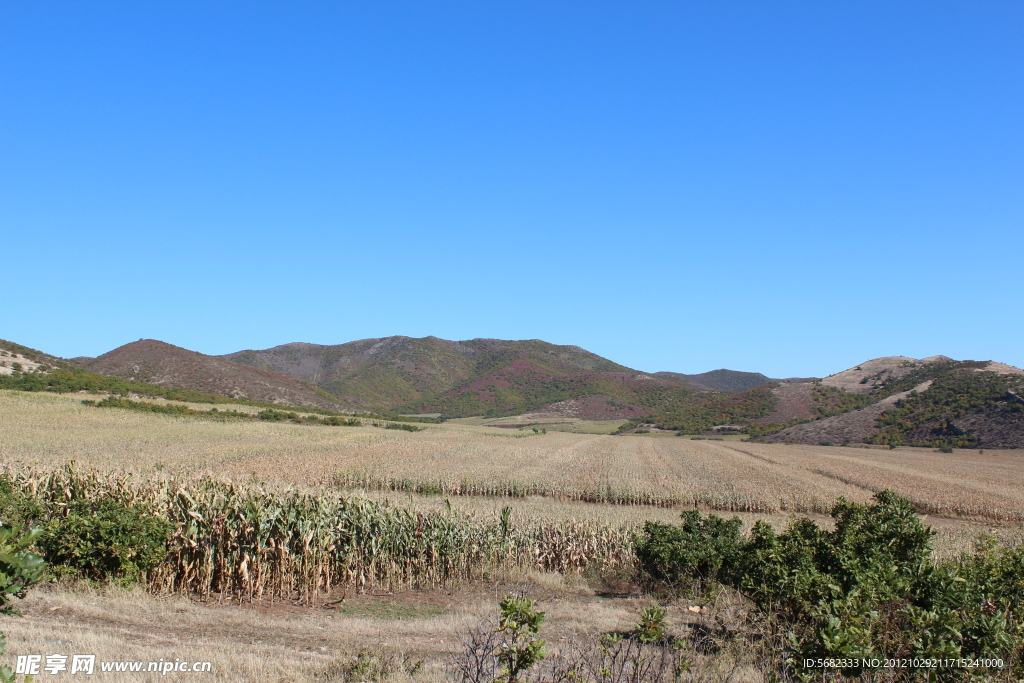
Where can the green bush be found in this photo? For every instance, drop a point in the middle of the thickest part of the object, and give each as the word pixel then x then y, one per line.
pixel 19 569
pixel 17 508
pixel 520 622
pixel 403 427
pixel 867 589
pixel 693 552
pixel 106 539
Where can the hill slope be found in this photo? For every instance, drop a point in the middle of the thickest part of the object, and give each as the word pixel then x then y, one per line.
pixel 932 402
pixel 456 378
pixel 163 364
pixel 718 380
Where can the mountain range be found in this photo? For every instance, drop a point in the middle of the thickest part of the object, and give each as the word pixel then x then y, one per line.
pixel 938 400
pixel 490 377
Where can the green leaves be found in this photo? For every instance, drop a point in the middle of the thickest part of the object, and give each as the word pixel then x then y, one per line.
pixel 520 621
pixel 867 589
pixel 697 550
pixel 19 567
pixel 107 539
pixel 651 627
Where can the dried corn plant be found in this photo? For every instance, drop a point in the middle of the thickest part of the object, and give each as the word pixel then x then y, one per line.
pixel 246 541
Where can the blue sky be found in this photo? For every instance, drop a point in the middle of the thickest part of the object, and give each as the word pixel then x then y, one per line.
pixel 783 187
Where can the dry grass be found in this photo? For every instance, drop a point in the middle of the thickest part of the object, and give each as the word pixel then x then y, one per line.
pixel 744 477
pixel 276 642
pixel 243 643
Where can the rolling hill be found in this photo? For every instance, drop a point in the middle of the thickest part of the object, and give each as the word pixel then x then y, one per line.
pixel 156 362
pixel 932 402
pixel 463 378
pixel 718 380
pixel 893 400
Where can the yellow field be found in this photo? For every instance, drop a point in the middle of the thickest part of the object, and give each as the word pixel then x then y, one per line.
pixel 552 480
pixel 47 430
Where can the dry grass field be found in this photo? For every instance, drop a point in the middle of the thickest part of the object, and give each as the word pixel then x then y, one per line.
pixel 549 481
pixel 44 431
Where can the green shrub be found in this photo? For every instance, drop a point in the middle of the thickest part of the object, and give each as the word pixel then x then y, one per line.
pixel 19 569
pixel 693 552
pixel 17 508
pixel 651 626
pixel 106 539
pixel 520 622
pixel 403 427
pixel 867 589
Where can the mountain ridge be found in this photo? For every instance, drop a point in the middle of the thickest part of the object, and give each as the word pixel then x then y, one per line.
pixel 890 400
pixel 156 362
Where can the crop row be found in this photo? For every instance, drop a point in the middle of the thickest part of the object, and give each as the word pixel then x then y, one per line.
pixel 246 542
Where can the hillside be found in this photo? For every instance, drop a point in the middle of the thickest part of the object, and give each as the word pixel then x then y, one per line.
pixel 931 402
pixel 894 400
pixel 464 378
pixel 30 359
pixel 159 363
pixel 718 380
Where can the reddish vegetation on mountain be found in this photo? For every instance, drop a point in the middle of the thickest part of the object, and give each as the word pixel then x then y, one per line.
pixel 157 362
pixel 894 400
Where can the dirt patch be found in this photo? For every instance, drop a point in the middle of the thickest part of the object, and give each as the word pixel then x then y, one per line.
pixel 794 402
pixel 595 407
pixel 865 377
pixel 9 358
pixel 1002 369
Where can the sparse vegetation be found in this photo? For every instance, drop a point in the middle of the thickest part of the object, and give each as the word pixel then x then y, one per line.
pixel 513 652
pixel 926 418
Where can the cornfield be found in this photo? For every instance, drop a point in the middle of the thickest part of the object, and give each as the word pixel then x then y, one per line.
pixel 246 542
pixel 734 502
pixel 46 431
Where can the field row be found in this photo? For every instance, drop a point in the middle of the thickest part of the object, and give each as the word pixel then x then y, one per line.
pixel 455 461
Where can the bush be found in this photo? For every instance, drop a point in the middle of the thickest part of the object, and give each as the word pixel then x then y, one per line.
pixel 403 427
pixel 693 552
pixel 17 508
pixel 19 569
pixel 867 589
pixel 512 652
pixel 106 539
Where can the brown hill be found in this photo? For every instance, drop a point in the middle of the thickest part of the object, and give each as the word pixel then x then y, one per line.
pixel 851 427
pixel 793 401
pixel 935 401
pixel 439 375
pixel 871 374
pixel 156 362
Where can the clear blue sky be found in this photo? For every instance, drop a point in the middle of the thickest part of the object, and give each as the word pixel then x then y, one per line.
pixel 784 187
